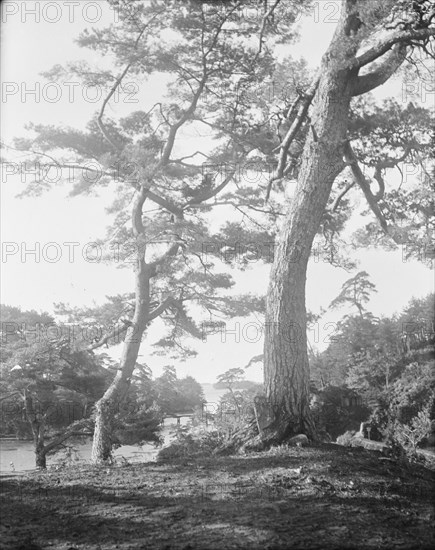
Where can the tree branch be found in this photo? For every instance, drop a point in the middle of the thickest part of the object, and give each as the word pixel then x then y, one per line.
pixel 100 122
pixel 70 431
pixel 390 63
pixel 172 250
pixel 292 132
pixel 118 81
pixel 170 142
pixel 211 193
pixel 266 17
pixel 167 302
pixel 371 199
pixel 188 113
pixel 389 163
pixel 117 331
pixel 136 217
pixel 341 195
pixel 385 44
pixel 165 203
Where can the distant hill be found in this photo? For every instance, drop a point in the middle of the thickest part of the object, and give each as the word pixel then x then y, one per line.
pixel 242 385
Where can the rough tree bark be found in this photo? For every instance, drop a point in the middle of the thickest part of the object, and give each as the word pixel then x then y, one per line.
pixel 108 405
pixel 39 428
pixel 38 431
pixel 286 369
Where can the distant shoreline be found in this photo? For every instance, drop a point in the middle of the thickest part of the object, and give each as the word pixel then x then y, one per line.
pixel 15 439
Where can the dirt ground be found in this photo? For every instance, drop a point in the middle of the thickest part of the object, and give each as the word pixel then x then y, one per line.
pixel 315 497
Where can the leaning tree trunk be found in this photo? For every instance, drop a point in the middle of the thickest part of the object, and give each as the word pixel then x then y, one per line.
pixel 107 407
pixel 286 369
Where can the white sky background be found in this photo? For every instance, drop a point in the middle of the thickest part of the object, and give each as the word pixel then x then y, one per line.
pixel 30 47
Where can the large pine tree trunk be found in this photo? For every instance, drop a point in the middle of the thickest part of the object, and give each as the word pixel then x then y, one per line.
pixel 286 368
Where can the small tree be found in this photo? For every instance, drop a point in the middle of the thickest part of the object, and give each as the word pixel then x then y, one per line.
pixel 356 292
pixel 229 380
pixel 175 395
pixel 411 434
pixel 49 386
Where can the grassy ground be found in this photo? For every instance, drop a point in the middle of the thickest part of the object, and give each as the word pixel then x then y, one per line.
pixel 315 497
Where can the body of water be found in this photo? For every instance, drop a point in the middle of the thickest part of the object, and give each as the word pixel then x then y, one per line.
pixel 212 395
pixel 19 456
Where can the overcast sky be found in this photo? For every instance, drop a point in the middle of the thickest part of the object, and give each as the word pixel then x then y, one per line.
pixel 32 43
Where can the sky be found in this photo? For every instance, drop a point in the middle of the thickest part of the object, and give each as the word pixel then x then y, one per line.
pixel 37 35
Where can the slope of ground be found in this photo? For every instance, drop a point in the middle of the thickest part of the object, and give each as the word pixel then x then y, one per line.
pixel 316 497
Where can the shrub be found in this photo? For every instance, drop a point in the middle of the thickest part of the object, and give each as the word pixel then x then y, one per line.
pixel 67 456
pixel 332 416
pixel 346 438
pixel 192 442
pixel 233 426
pixel 409 435
pixel 407 409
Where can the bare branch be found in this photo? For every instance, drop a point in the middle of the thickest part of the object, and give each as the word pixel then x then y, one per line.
pixel 165 203
pixel 390 63
pixel 190 156
pixel 118 81
pixel 167 302
pixel 371 199
pixel 266 17
pixel 170 142
pixel 72 430
pixel 389 163
pixel 211 193
pixel 341 195
pixel 188 113
pixel 292 132
pixel 117 331
pixel 113 89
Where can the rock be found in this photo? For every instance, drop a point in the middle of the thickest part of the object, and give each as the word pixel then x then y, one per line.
pixel 300 440
pixel 368 444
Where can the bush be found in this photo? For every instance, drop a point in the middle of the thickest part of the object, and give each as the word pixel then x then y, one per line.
pixel 332 416
pixel 192 442
pixel 411 392
pixel 346 438
pixel 407 409
pixel 409 435
pixel 67 456
pixel 234 425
